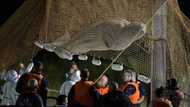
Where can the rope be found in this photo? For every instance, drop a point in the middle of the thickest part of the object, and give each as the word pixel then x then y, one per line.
pixel 48 7
pixel 45 22
pixel 34 52
pixel 115 59
pixel 44 25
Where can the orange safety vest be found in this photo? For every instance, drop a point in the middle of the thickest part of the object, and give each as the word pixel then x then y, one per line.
pixel 82 93
pixel 103 90
pixel 134 98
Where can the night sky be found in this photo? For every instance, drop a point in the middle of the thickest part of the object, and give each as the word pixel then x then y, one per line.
pixel 8 7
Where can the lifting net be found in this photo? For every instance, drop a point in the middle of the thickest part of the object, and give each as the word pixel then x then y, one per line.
pixel 56 19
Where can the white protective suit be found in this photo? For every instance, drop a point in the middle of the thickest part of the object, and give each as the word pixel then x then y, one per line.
pixel 9 93
pixel 67 85
pixel 27 69
pixel 75 76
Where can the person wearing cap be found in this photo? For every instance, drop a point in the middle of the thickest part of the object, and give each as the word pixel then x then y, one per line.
pixel 132 88
pixel 9 93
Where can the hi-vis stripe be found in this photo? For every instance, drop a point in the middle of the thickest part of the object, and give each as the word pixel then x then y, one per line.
pixel 52 90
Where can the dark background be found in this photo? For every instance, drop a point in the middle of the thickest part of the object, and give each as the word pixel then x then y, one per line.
pixel 185 7
pixel 8 7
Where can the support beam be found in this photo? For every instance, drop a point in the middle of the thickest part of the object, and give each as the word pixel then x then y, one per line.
pixel 158 59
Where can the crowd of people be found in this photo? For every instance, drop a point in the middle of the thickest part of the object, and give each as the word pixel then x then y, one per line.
pixel 29 88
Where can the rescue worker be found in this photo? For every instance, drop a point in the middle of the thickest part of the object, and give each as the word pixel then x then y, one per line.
pixel 30 99
pixel 115 98
pixel 74 72
pixel 36 73
pixel 102 85
pixel 133 89
pixel 174 93
pixel 161 100
pixel 67 85
pixel 81 94
pixel 101 89
pixel 10 95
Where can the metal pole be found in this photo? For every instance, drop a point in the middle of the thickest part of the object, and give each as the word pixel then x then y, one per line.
pixel 158 54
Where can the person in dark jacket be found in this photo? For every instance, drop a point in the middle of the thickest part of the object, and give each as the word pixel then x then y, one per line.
pixel 115 97
pixel 30 99
pixel 174 93
pixel 36 73
pixel 161 99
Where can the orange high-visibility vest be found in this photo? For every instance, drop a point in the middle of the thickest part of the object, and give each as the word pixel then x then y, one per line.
pixel 134 98
pixel 103 90
pixel 82 93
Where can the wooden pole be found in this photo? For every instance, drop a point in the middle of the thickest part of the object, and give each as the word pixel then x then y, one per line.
pixel 43 34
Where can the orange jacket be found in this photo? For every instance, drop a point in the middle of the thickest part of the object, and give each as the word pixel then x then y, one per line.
pixel 103 90
pixel 82 93
pixel 134 98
